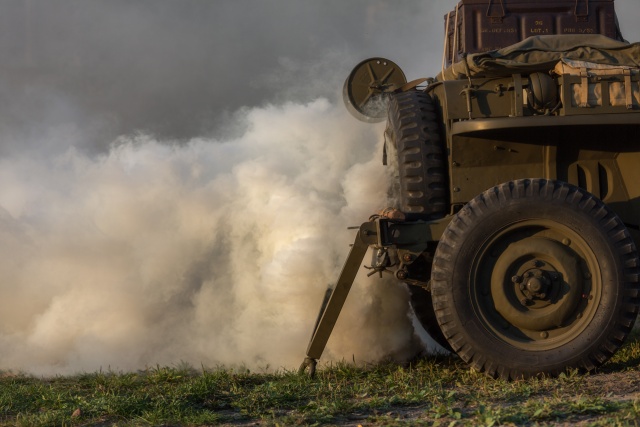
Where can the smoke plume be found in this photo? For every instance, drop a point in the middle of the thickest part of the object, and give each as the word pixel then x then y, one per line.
pixel 209 232
pixel 214 252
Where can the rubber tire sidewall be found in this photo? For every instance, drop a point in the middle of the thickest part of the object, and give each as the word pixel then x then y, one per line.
pixel 509 203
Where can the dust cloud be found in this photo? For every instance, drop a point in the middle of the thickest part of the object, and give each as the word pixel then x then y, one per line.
pixel 213 252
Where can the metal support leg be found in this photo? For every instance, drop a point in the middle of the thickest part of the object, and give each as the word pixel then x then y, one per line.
pixel 334 301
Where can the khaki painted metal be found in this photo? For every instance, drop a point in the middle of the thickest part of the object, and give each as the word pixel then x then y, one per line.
pixel 493 135
pixel 596 148
pixel 365 88
pixel 496 138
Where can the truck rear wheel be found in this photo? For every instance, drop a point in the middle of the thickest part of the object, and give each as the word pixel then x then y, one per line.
pixel 535 277
pixel 414 134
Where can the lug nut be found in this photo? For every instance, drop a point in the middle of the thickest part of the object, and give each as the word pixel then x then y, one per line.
pixel 516 279
pixel 402 275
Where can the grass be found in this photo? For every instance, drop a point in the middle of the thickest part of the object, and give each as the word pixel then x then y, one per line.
pixel 433 391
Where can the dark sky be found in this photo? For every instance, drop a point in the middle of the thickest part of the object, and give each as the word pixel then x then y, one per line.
pixel 179 68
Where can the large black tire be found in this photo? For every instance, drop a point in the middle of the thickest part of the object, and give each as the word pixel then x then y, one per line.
pixel 414 134
pixel 535 277
pixel 422 304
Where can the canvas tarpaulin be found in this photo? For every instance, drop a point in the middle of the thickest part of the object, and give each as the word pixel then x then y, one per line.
pixel 542 53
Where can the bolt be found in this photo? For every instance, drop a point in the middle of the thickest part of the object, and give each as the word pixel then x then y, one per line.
pixel 566 242
pixel 516 279
pixel 522 287
pixel 524 301
pixel 456 164
pixel 402 274
pixel 528 274
pixel 542 296
pixel 544 334
pixel 534 285
pixel 579 316
pixel 407 257
pixel 456 189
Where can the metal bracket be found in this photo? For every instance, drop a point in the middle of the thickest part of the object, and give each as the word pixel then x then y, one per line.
pixel 496 19
pixel 411 85
pixel 469 92
pixel 517 109
pixel 380 233
pixel 584 16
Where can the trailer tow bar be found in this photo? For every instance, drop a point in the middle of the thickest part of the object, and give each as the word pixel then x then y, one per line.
pixel 410 238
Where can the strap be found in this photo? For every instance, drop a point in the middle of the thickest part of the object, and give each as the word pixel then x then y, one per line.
pixel 584 88
pixel 446 42
pixel 628 89
pixel 454 49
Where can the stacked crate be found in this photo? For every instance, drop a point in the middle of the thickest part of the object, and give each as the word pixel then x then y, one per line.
pixel 484 25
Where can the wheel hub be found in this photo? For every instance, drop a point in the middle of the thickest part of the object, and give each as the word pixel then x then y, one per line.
pixel 536 284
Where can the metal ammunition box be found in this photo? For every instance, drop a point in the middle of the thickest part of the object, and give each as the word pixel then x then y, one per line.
pixel 484 25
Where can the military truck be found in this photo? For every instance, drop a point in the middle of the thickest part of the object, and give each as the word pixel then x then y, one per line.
pixel 517 185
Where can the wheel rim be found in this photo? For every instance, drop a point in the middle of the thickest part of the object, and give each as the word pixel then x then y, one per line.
pixel 535 284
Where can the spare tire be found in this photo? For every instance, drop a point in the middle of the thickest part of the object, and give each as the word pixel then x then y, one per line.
pixel 414 141
pixel 416 153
